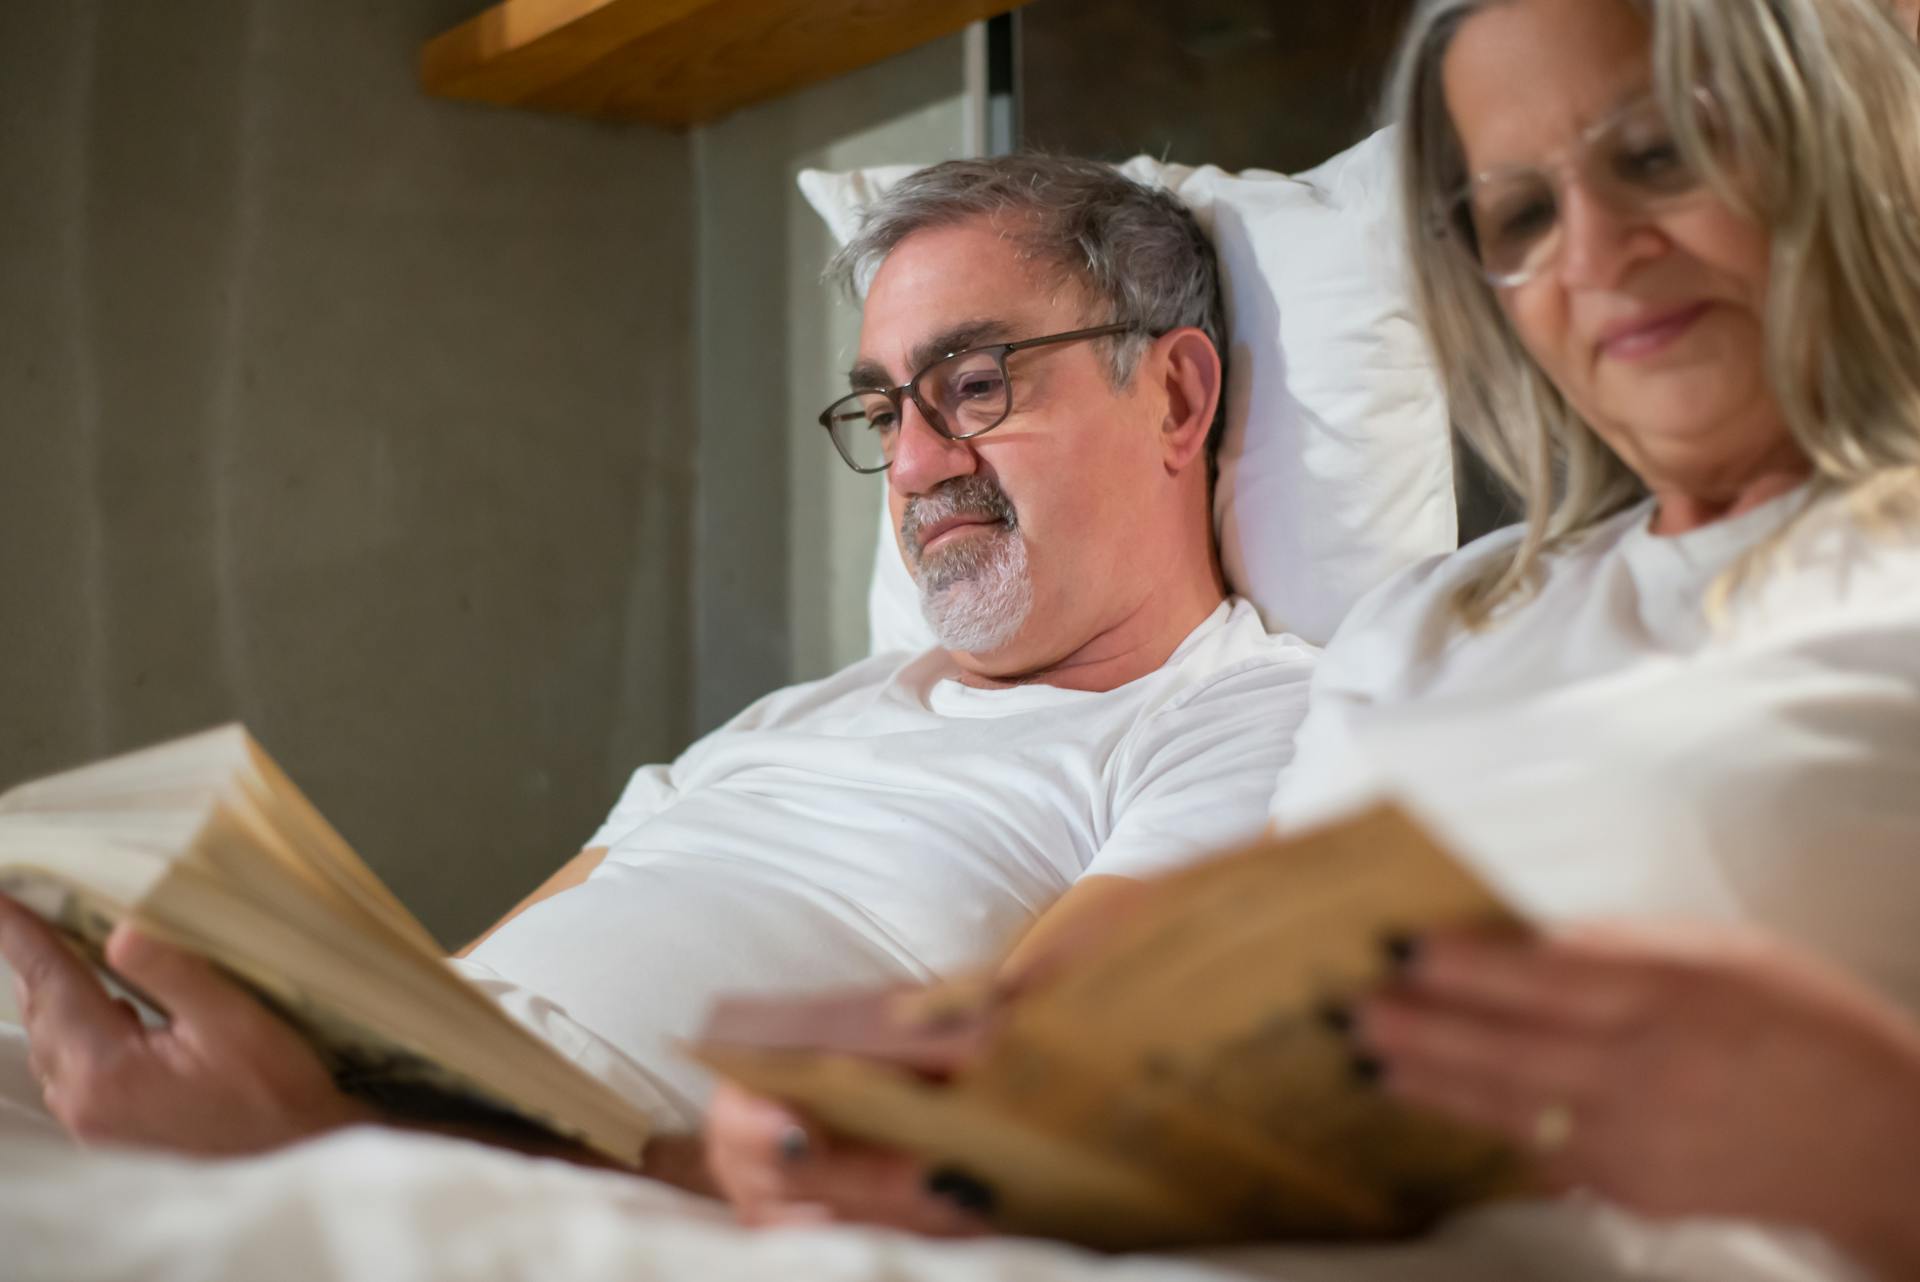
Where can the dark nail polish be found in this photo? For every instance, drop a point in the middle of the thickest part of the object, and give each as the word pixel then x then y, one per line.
pixel 961 1189
pixel 1366 1070
pixel 795 1145
pixel 1401 947
pixel 1335 1017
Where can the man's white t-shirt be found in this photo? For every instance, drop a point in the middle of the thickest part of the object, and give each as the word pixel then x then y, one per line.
pixel 1612 747
pixel 885 825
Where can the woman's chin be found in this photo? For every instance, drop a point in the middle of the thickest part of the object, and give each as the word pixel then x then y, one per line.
pixel 1681 411
pixel 1708 459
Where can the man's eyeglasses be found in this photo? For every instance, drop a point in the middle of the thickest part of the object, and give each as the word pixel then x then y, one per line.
pixel 961 396
pixel 1510 221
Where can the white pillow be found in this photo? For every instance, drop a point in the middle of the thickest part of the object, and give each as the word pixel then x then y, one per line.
pixel 1337 467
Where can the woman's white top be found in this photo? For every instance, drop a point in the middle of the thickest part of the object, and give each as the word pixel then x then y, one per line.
pixel 1607 749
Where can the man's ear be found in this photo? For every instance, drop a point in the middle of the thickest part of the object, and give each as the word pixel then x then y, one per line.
pixel 1190 371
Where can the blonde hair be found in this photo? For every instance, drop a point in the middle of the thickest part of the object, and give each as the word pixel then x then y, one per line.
pixel 1817 100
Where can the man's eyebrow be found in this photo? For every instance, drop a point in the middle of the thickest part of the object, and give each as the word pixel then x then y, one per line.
pixel 959 339
pixel 869 374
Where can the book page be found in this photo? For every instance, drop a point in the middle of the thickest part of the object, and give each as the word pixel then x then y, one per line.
pixel 1045 1183
pixel 206 845
pixel 363 1060
pixel 1217 993
pixel 1190 1043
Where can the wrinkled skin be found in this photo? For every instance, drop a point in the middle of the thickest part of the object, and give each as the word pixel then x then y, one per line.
pixel 1718 1075
pixel 224 1076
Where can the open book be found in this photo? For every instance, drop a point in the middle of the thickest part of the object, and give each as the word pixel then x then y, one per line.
pixel 206 844
pixel 1179 1081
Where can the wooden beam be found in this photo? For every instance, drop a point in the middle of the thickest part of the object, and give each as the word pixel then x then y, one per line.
pixel 675 62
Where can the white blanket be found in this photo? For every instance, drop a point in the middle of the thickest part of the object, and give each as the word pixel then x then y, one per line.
pixel 371 1205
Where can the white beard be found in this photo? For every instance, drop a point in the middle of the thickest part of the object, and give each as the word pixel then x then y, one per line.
pixel 977 596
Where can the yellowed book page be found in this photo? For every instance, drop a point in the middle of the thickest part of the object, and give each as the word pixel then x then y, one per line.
pixel 1217 992
pixel 1045 1183
pixel 406 1053
pixel 1190 1046
pixel 361 1055
pixel 288 812
pixel 159 798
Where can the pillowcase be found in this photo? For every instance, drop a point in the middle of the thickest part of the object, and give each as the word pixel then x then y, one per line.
pixel 1337 467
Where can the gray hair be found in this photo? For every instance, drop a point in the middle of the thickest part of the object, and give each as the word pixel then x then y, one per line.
pixel 1135 249
pixel 1816 98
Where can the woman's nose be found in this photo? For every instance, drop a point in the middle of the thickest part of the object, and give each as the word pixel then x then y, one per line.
pixel 1601 237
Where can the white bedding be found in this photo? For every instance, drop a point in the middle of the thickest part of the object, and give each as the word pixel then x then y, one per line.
pixel 379 1206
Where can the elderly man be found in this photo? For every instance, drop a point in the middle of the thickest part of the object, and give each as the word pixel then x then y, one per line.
pixel 1039 377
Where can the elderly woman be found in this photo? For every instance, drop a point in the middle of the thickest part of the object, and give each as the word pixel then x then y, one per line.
pixel 1674 301
pixel 1668 257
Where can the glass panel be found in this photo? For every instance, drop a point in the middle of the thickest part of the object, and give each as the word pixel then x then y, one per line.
pixel 969 391
pixel 1269 84
pixel 863 427
pixel 1513 218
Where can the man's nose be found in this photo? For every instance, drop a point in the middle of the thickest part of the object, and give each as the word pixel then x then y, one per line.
pixel 922 457
pixel 1602 237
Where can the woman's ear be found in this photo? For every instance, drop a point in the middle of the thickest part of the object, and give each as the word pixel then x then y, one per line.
pixel 1192 379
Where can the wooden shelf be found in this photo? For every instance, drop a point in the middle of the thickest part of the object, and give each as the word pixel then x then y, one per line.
pixel 675 62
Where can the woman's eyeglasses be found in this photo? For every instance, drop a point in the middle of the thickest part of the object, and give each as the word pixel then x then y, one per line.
pixel 1510 221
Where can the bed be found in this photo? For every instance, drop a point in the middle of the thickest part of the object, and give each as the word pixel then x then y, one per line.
pixel 371 1205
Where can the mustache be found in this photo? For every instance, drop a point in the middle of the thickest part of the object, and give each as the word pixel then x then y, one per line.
pixel 970 496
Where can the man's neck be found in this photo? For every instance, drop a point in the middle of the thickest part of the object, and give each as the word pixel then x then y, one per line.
pixel 1139 643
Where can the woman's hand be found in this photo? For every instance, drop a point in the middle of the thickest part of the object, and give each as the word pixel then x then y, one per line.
pixel 1720 1075
pixel 224 1076
pixel 776 1168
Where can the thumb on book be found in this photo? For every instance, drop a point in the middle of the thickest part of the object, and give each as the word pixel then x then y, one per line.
pixel 55 990
pixel 183 985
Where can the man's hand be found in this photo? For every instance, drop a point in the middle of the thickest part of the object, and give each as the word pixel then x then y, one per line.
pixel 225 1076
pixel 1715 1075
pixel 778 1169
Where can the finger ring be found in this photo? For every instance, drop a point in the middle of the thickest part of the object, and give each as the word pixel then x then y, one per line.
pixel 1552 1128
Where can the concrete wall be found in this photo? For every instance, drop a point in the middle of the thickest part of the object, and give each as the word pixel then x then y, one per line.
pixel 784 533
pixel 362 417
pixel 466 455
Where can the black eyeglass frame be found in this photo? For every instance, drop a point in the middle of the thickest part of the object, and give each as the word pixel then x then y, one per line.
pixel 909 389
